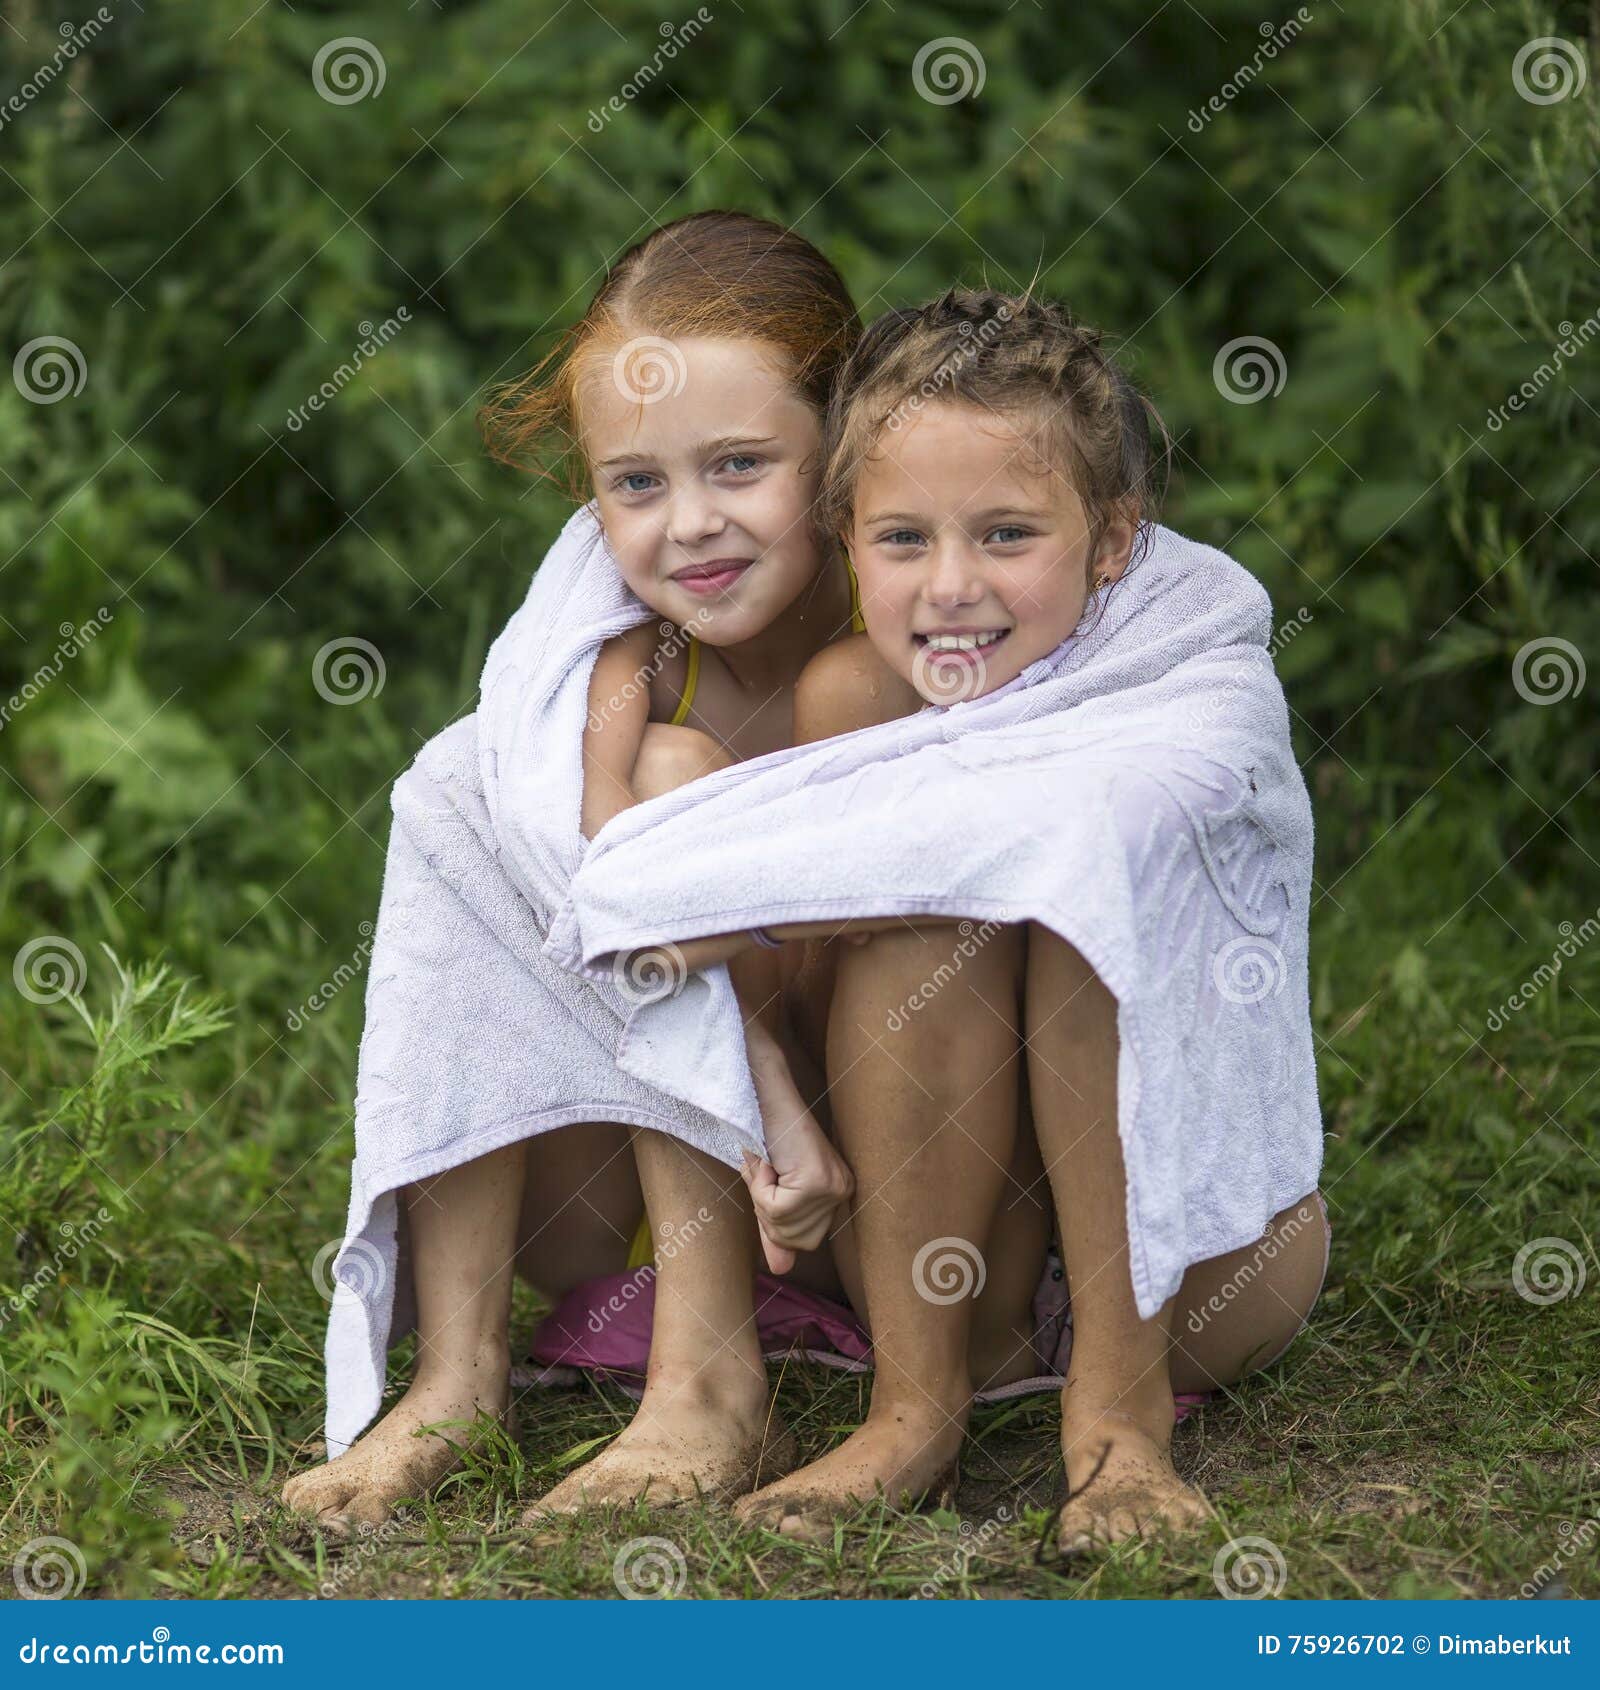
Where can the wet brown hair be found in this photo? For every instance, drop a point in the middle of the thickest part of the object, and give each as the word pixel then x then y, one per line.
pixel 1027 360
pixel 720 274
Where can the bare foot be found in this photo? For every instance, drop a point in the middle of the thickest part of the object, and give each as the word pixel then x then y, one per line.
pixel 396 1458
pixel 1121 1484
pixel 898 1457
pixel 683 1445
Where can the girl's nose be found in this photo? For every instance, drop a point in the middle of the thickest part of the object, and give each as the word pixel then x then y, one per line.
pixel 953 576
pixel 692 516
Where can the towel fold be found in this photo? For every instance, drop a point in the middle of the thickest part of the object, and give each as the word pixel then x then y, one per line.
pixel 1135 791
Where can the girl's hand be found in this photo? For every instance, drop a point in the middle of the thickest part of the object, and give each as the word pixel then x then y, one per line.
pixel 797 1193
pixel 795 1208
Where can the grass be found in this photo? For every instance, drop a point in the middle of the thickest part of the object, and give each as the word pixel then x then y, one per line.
pixel 1433 1433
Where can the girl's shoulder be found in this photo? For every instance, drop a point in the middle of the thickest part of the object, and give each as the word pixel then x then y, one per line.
pixel 643 661
pixel 847 686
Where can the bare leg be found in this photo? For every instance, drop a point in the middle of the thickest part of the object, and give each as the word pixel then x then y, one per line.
pixel 1117 1409
pixel 928 1124
pixel 463 1233
pixel 704 1427
pixel 1015 1242
pixel 468 1227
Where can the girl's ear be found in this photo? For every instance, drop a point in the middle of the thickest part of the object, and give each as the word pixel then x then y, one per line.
pixel 1115 548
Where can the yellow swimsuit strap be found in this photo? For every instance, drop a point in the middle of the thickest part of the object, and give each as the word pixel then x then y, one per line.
pixel 857 621
pixel 692 679
pixel 681 714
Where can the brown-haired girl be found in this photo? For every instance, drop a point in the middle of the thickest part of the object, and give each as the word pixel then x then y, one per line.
pixel 690 400
pixel 993 474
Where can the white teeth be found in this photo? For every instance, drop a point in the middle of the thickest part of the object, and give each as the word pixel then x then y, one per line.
pixel 962 642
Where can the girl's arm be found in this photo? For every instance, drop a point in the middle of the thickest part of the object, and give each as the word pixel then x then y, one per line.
pixel 845 687
pixel 619 711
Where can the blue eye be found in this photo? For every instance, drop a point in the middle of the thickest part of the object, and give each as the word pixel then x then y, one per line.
pixel 1008 534
pixel 900 537
pixel 735 460
pixel 626 483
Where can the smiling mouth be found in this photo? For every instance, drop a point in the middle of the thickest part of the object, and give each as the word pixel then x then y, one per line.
pixel 977 640
pixel 715 570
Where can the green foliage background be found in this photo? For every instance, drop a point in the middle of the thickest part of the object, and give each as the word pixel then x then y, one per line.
pixel 180 202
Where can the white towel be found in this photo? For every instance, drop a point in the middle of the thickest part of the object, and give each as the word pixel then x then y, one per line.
pixel 474 1038
pixel 1135 791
